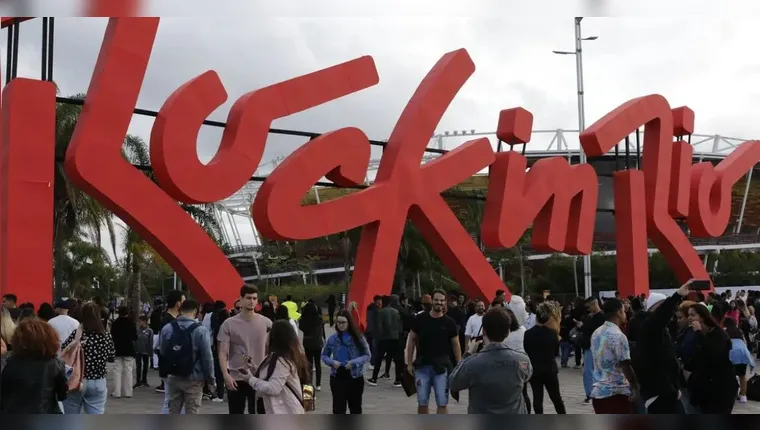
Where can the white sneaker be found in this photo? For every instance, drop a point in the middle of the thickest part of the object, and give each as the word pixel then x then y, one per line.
pixel 217 400
pixel 743 399
pixel 319 388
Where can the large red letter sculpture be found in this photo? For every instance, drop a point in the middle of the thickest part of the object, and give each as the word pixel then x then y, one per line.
pixel 402 188
pixel 560 199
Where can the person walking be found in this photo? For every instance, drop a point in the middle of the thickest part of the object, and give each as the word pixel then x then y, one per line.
pixel 313 327
pixel 186 351
pixel 346 352
pixel 242 347
pixel 389 330
pixel 496 374
pixel 277 380
pixel 541 344
pixel 124 335
pixel 98 349
pixel 143 351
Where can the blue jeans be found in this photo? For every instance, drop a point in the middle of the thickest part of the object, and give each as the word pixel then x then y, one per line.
pixel 588 372
pixel 426 379
pixel 92 397
pixel 564 352
pixel 165 409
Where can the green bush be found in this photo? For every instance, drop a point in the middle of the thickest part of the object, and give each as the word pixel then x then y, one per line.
pixel 318 293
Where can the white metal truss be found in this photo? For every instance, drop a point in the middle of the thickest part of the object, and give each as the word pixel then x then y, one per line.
pixel 238 230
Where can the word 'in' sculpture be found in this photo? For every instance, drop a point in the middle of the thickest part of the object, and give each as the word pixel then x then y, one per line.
pixel 560 200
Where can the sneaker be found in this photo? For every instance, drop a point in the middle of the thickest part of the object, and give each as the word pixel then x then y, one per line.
pixel 372 382
pixel 385 376
pixel 397 384
pixel 160 389
pixel 319 388
pixel 207 397
pixel 137 385
pixel 743 399
pixel 587 400
pixel 145 384
pixel 217 400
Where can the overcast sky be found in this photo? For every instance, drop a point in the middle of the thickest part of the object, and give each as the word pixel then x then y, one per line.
pixel 707 64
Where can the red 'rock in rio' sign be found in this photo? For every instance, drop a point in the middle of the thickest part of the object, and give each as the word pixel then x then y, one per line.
pixel 559 199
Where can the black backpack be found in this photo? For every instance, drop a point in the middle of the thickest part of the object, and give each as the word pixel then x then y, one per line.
pixel 179 358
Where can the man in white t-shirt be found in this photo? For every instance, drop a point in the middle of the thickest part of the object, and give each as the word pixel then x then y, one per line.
pixel 63 323
pixel 475 322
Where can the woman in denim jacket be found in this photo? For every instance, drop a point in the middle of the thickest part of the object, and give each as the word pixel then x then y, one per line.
pixel 346 352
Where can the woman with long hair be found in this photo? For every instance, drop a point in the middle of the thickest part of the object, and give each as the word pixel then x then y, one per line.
pixel 34 378
pixel 313 327
pixel 283 313
pixel 740 356
pixel 278 378
pixel 267 309
pixel 346 352
pixel 7 326
pixel 712 383
pixel 98 349
pixel 46 312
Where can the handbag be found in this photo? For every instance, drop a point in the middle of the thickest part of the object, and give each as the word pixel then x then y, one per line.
pixel 73 357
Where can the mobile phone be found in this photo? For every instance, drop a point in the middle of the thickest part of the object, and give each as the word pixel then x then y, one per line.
pixel 700 285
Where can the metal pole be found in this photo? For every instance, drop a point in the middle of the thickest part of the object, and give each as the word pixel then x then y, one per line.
pixel 581 127
pixel 744 200
pixel 175 280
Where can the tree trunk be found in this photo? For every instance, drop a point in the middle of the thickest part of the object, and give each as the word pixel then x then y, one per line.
pixel 134 292
pixel 58 263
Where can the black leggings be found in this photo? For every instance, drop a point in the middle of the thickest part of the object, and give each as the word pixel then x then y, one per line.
pixel 551 382
pixel 313 356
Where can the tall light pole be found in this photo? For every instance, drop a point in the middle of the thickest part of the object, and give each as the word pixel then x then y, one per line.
pixel 581 123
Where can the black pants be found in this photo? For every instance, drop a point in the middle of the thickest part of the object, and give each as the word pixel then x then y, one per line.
pixel 388 348
pixel 331 316
pixel 666 404
pixel 313 356
pixel 526 398
pixel 346 391
pixel 244 395
pixel 218 375
pixel 550 381
pixel 142 361
pixel 578 355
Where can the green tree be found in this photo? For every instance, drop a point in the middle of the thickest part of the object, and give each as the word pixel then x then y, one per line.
pixel 75 213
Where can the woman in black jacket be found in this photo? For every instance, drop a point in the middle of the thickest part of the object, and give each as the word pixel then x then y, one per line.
pixel 313 327
pixel 712 382
pixel 33 380
pixel 124 334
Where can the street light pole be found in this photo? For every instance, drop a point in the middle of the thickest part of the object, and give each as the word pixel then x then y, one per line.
pixel 581 124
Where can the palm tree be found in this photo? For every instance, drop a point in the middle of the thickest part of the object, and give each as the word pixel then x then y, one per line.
pixel 75 213
pixel 137 253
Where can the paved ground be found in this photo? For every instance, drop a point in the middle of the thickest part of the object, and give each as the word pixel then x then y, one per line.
pixel 383 399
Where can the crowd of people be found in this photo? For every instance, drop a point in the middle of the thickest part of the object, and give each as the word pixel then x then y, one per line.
pixel 688 353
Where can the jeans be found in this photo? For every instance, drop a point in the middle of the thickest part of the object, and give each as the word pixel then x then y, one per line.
pixel 92 397
pixel 588 372
pixel 142 361
pixel 564 351
pixel 122 378
pixel 426 379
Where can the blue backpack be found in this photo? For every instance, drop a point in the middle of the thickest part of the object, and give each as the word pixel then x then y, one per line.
pixel 180 352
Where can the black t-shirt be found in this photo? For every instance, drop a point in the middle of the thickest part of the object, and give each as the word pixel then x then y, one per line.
pixel 433 338
pixel 590 324
pixel 541 345
pixel 167 318
pixel 458 314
